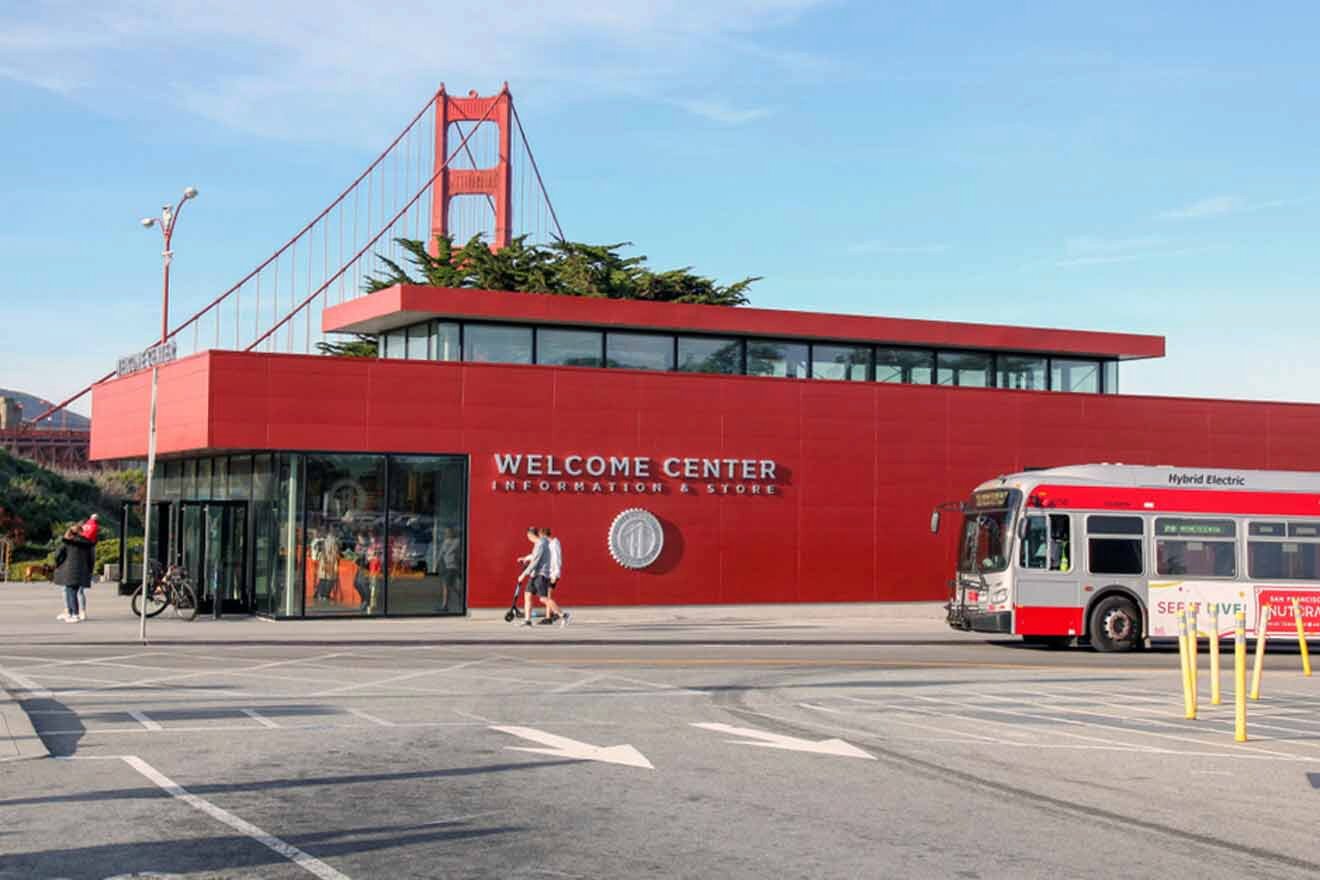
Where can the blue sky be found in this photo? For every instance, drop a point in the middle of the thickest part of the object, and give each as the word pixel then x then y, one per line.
pixel 1120 166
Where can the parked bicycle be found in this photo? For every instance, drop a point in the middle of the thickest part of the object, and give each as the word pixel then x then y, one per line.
pixel 168 587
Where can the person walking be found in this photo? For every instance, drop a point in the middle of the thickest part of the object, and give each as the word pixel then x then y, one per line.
pixel 556 566
pixel 73 570
pixel 534 572
pixel 91 530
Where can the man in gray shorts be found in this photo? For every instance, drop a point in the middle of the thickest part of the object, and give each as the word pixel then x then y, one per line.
pixel 536 573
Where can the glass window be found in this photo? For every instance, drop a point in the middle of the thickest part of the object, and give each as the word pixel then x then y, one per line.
pixel 173 478
pixel 190 478
pixel 1196 547
pixel 766 357
pixel 1283 560
pixel 1048 543
pixel 444 341
pixel 840 362
pixel 1267 530
pixel 220 479
pixel 344 555
pixel 240 477
pixel 395 343
pixel 265 533
pixel 1111 377
pixel 1079 376
pixel 568 348
pixel 204 478
pixel 1115 525
pixel 288 570
pixel 427 574
pixel 419 342
pixel 707 354
pixel 639 351
pixel 1303 530
pixel 497 344
pixel 1114 555
pixel 967 369
pixel 1021 372
pixel 904 365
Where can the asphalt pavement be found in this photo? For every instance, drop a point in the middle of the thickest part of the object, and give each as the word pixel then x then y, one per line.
pixel 664 744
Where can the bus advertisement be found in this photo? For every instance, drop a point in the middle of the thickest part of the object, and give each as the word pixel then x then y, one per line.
pixel 1111 555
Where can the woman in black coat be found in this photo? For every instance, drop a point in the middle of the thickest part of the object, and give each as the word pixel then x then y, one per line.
pixel 73 570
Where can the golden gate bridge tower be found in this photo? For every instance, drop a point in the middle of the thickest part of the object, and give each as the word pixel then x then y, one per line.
pixel 461 167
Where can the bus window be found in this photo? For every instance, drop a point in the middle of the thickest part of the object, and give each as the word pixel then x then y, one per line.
pixel 1047 545
pixel 1114 544
pixel 1294 559
pixel 1196 547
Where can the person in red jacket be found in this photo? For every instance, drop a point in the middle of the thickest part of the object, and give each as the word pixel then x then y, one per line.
pixel 90 530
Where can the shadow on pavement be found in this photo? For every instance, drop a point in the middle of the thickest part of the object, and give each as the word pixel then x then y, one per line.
pixel 204 789
pixel 71 732
pixel 230 855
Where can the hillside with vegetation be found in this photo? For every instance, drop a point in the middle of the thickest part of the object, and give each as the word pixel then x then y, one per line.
pixel 37 504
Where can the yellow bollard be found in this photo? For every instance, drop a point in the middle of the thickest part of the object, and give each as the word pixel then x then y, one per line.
pixel 1194 661
pixel 1301 639
pixel 1214 656
pixel 1240 678
pixel 1262 634
pixel 1189 705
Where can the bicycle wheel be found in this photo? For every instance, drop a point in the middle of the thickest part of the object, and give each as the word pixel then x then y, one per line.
pixel 156 601
pixel 185 600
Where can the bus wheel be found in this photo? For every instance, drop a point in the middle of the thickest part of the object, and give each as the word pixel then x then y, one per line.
pixel 1115 624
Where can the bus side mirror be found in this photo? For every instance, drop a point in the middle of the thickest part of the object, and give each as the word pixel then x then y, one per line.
pixel 935 522
pixel 1022 529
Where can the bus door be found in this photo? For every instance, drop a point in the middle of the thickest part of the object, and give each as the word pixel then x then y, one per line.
pixel 1048 596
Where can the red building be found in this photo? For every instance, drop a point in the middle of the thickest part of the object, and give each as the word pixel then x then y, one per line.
pixel 782 456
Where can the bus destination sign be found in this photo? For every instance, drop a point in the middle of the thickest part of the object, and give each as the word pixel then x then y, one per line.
pixel 991 498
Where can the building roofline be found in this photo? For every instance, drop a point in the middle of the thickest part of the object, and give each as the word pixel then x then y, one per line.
pixel 401 305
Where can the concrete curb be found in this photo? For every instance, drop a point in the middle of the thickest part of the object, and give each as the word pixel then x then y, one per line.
pixel 18 738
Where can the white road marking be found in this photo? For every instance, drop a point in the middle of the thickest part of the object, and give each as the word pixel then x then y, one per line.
pixel 573 685
pixel 563 747
pixel 474 716
pixel 367 716
pixel 34 690
pixel 765 739
pixel 159 680
pixel 141 718
pixel 308 863
pixel 387 681
pixel 259 718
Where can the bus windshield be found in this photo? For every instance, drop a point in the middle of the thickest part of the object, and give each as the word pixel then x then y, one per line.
pixel 987 529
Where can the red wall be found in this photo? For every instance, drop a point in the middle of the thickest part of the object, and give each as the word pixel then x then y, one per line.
pixel 861 464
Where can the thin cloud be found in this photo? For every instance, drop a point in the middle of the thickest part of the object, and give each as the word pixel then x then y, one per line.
pixel 1222 206
pixel 885 247
pixel 284 69
pixel 723 113
pixel 1090 250
pixel 1095 246
pixel 1215 206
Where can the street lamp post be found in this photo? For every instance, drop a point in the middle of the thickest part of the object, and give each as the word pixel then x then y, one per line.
pixel 168 217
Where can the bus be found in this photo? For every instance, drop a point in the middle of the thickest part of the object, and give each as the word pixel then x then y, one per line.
pixel 1111 554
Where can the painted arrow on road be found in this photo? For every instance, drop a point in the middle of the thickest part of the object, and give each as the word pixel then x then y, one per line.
pixel 563 747
pixel 767 740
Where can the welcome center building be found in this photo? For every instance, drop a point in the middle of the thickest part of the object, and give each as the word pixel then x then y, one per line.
pixel 682 453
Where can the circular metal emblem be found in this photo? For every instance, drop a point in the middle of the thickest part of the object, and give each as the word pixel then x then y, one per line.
pixel 636 538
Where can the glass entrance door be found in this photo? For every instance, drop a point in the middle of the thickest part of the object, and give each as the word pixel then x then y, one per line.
pixel 213 550
pixel 226 555
pixel 131 551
